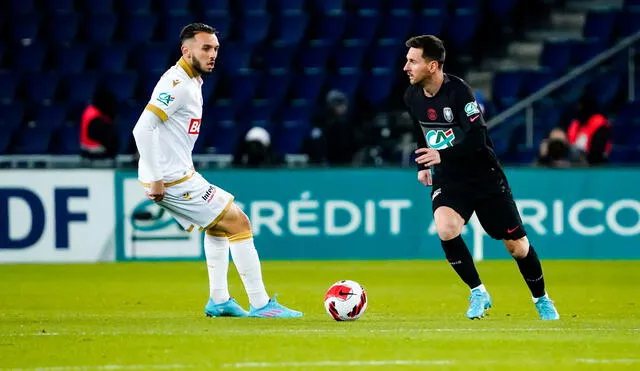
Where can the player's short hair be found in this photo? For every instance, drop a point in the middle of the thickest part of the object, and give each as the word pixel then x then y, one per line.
pixel 190 30
pixel 432 47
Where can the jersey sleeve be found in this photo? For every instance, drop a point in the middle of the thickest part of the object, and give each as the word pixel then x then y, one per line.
pixel 472 123
pixel 166 98
pixel 419 137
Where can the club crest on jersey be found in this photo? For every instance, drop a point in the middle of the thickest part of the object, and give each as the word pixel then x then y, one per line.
pixel 165 98
pixel 194 126
pixel 471 108
pixel 439 139
pixel 448 114
pixel 431 114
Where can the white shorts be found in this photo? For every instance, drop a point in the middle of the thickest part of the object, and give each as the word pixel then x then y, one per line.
pixel 196 203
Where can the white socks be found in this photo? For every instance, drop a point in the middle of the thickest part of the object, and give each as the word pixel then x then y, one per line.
pixel 481 288
pixel 245 257
pixel 216 250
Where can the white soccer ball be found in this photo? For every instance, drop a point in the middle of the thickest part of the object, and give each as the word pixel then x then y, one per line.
pixel 345 300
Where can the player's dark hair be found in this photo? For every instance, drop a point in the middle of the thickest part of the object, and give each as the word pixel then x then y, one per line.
pixel 432 47
pixel 190 30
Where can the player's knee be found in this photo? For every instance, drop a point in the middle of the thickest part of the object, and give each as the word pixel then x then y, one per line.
pixel 518 248
pixel 449 229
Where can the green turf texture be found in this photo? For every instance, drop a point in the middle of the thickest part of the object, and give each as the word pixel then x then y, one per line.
pixel 149 316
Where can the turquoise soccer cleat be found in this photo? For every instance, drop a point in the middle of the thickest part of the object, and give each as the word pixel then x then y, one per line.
pixel 479 302
pixel 273 309
pixel 229 308
pixel 546 309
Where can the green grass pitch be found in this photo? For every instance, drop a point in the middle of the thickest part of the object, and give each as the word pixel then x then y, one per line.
pixel 149 316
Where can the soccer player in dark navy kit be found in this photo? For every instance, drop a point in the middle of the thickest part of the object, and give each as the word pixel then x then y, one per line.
pixel 455 156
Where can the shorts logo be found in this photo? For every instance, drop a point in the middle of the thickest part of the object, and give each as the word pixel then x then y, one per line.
pixel 431 114
pixel 448 114
pixel 439 139
pixel 187 196
pixel 436 193
pixel 208 195
pixel 471 108
pixel 194 126
pixel 165 98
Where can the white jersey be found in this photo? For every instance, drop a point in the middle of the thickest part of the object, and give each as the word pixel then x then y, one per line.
pixel 177 100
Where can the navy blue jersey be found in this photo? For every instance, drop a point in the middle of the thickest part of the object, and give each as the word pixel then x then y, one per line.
pixel 452 123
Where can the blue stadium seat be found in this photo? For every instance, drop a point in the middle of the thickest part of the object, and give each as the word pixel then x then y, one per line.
pixel 501 8
pixel 32 139
pixel 276 57
pixel 11 116
pixel 403 5
pixel 51 116
pixel 536 80
pixel 226 131
pixel 556 55
pixel 244 86
pixel 24 26
pixel 289 29
pixel 629 115
pixel 349 55
pixel 434 6
pixel 121 84
pixel 273 88
pixel 222 22
pixel 111 57
pixel 370 5
pixel 155 57
pixel 209 86
pixel 628 22
pixel 376 87
pixel 314 55
pixel 100 27
pixel 288 6
pixel 8 85
pixel 135 6
pixel 128 115
pixel 59 6
pixel 386 55
pixel 62 27
pixel 362 26
pixel 29 57
pixel 139 27
pixel 20 6
pixel 147 82
pixel 294 127
pixel 97 6
pixel 621 154
pixel 258 113
pixel 79 87
pixel 253 6
pixel 346 80
pixel 307 86
pixel 329 27
pixel 175 7
pixel 603 88
pixel 397 26
pixel 66 139
pixel 429 23
pixel 328 6
pixel 255 27
pixel 462 27
pixel 583 51
pixel 70 58
pixel 507 87
pixel 214 7
pixel 234 57
pixel 172 24
pixel 632 5
pixel 599 25
pixel 41 87
pixel 474 5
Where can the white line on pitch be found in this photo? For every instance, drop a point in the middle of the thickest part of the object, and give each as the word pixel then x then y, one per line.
pixel 607 361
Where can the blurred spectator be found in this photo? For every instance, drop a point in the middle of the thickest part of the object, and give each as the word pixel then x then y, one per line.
pixel 590 132
pixel 556 152
pixel 255 150
pixel 334 138
pixel 98 133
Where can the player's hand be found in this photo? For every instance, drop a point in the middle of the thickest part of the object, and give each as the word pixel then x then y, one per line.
pixel 156 191
pixel 427 156
pixel 424 177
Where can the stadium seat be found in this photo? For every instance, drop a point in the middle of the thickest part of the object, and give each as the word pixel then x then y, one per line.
pixel 66 139
pixel 138 27
pixel 32 139
pixel 8 85
pixel 41 87
pixel 11 116
pixel 258 114
pixel 62 27
pixel 234 57
pixel 59 6
pixel 128 115
pixel 429 23
pixel 70 58
pixel 536 80
pixel 209 86
pixel 172 24
pixel 289 29
pixel 386 55
pixel 244 86
pixel 155 57
pixel 222 22
pixel 397 26
pixel 275 58
pixel 628 22
pixel 327 6
pixel 146 83
pixel 328 27
pixel 214 7
pixel 501 8
pixel 307 86
pixel 20 6
pixel 556 55
pixel 599 25
pixel 121 84
pixel 376 87
pixel 97 6
pixel 255 27
pixel 29 57
pixel 24 27
pixel 111 57
pixel 273 88
pixel 583 51
pixel 51 116
pixel 79 87
pixel 362 26
pixel 402 5
pixel 434 6
pixel 346 80
pixel 224 134
pixel 99 28
pixel 349 55
pixel 288 6
pixel 462 27
pixel 603 88
pixel 252 6
pixel 293 128
pixel 507 87
pixel 474 5
pixel 314 55
pixel 175 7
pixel 135 6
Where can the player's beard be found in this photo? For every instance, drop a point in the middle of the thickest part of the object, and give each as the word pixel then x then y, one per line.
pixel 196 66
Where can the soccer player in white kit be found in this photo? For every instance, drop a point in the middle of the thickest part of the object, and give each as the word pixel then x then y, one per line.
pixel 165 134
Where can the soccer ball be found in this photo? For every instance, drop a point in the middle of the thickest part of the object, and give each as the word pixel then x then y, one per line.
pixel 345 300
